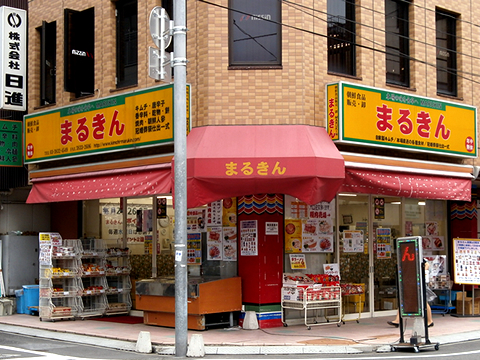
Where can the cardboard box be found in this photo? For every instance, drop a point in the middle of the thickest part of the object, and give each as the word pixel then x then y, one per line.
pixel 353 308
pixel 389 304
pixel 355 298
pixel 468 304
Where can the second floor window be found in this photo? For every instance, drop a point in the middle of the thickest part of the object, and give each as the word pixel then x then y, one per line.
pixel 48 62
pixel 446 53
pixel 341 36
pixel 397 42
pixel 127 43
pixel 79 52
pixel 255 33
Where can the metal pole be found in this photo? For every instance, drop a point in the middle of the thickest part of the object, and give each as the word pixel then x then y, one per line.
pixel 180 152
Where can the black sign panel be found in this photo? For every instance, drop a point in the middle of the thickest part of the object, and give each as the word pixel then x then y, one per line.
pixel 409 276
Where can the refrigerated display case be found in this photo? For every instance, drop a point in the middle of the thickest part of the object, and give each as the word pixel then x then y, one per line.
pixel 207 296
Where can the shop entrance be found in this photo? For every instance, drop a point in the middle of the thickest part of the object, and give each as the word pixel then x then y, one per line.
pixel 262 274
pixel 379 221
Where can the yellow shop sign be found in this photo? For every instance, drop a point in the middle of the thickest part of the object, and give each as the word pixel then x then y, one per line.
pixel 374 117
pixel 128 121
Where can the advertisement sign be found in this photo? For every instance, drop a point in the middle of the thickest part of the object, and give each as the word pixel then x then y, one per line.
pixel 377 117
pixel 11 143
pixel 466 265
pixel 127 121
pixel 13 58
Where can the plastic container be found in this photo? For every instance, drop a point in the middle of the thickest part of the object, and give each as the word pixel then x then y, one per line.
pixel 31 294
pixel 20 300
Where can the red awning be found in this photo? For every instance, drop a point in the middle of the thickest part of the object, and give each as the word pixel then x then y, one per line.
pixel 138 181
pixel 227 161
pixel 409 185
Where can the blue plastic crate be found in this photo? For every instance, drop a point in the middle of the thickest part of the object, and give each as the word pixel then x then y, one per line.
pixel 31 294
pixel 20 300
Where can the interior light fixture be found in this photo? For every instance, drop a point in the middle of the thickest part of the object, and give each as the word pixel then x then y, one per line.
pixel 422 203
pixel 347 194
pixel 396 203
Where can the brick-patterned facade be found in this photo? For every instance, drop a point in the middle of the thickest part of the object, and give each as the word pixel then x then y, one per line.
pixel 292 94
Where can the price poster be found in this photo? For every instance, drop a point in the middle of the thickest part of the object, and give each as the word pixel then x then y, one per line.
pixel 297 261
pixel 293 235
pixel 331 269
pixel 214 243
pixel 214 213
pixel 353 241
pixel 467 261
pixel 47 241
pixel 433 243
pixel 196 220
pixel 384 243
pixel 248 238
pixel 194 248
pixel 230 243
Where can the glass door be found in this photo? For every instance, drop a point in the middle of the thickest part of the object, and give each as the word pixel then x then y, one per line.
pixel 387 226
pixel 353 232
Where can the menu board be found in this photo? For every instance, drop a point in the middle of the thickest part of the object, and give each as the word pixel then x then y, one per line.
pixel 466 267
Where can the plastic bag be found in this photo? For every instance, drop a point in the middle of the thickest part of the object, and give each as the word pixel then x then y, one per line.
pixel 431 296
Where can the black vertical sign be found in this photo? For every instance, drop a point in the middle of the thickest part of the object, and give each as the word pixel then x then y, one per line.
pixel 409 256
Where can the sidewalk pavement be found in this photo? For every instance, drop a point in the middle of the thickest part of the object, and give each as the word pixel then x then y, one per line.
pixel 368 335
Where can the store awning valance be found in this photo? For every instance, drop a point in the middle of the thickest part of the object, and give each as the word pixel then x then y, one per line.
pixel 409 185
pixel 227 161
pixel 137 181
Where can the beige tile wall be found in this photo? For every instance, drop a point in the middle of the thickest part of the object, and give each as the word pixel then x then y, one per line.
pixel 293 94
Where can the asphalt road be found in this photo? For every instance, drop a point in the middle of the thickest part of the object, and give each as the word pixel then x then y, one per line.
pixel 16 346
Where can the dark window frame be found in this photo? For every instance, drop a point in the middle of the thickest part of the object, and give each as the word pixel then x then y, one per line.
pixel 341 32
pixel 48 62
pixel 397 42
pixel 126 43
pixel 446 59
pixel 79 36
pixel 257 41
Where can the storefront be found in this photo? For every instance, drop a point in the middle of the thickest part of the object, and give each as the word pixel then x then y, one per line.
pixel 311 207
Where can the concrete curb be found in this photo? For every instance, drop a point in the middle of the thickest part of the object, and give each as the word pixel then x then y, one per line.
pixel 229 349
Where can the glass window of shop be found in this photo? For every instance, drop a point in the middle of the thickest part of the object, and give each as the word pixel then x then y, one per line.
pixel 131 223
pixel 386 218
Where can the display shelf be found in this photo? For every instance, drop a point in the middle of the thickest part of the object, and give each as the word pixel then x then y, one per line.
pixel 52 309
pixel 353 301
pixel 316 299
pixel 444 304
pixel 93 281
pixel 118 279
pixel 59 284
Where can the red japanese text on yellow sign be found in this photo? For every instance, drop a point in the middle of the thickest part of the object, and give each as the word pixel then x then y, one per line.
pixel 378 117
pixel 124 121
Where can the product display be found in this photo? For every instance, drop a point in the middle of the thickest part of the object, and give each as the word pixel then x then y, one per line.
pixel 319 294
pixel 59 288
pixel 81 278
pixel 118 280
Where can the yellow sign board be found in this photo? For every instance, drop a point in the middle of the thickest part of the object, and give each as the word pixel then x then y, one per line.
pixel 128 121
pixel 376 117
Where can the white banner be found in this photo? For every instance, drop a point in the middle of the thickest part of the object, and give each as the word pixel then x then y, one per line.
pixel 13 58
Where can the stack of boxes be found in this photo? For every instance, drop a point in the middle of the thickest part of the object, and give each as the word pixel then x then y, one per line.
pixel 468 304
